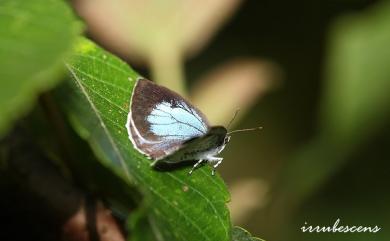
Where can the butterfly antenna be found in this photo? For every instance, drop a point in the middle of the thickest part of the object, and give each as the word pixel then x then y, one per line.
pixel 234 117
pixel 242 130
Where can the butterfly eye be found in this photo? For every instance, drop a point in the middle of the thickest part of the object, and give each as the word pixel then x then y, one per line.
pixel 227 139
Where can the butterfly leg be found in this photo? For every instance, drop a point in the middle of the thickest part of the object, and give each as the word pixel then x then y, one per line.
pixel 217 161
pixel 195 166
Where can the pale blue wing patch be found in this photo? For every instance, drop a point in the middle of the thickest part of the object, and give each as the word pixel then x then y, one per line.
pixel 175 121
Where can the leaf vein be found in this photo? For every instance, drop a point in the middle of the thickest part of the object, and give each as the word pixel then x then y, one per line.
pixel 97 113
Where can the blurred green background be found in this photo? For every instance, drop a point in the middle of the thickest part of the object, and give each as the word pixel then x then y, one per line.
pixel 314 74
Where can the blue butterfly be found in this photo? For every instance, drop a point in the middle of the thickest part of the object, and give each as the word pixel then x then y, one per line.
pixel 168 129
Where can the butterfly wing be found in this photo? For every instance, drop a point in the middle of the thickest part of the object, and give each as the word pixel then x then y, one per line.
pixel 160 121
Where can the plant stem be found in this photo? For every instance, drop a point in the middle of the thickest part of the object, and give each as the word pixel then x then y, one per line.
pixel 166 63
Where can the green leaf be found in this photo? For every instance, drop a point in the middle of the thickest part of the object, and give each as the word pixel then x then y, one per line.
pixel 240 234
pixel 179 206
pixel 35 36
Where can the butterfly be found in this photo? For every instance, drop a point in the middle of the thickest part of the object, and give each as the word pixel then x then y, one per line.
pixel 167 129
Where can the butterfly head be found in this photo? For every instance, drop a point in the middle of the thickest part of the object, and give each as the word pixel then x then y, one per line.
pixel 227 139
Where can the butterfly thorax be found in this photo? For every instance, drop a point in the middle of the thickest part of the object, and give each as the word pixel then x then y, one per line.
pixel 202 148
